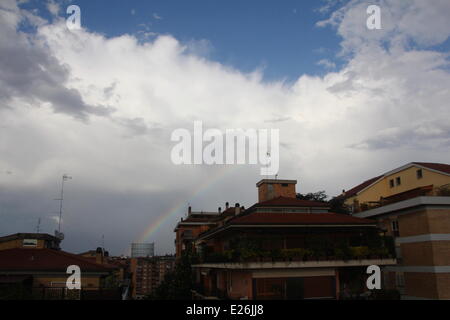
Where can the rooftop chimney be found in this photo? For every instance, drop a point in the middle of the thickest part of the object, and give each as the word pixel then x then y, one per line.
pixel 99 255
pixel 273 188
pixel 227 205
pixel 189 209
pixel 237 209
pixel 220 209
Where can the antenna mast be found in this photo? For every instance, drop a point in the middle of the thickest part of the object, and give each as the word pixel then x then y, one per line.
pixel 65 177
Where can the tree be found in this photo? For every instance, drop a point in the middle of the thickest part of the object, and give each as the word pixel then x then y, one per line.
pixel 177 285
pixel 337 204
pixel 316 196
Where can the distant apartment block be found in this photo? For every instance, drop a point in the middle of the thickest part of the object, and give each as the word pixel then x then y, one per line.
pixel 142 250
pixel 148 273
pixel 412 204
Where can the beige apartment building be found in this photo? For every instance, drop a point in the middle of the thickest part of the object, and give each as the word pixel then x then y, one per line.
pixel 412 203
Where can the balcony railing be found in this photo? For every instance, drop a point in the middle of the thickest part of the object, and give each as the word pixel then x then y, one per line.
pixel 430 191
pixel 300 254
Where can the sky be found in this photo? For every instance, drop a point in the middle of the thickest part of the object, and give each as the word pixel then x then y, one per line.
pixel 100 104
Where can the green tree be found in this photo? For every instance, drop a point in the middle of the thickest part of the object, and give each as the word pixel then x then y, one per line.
pixel 337 204
pixel 177 285
pixel 313 196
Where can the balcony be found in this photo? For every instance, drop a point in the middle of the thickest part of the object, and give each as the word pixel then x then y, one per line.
pixel 299 264
pixel 299 258
pixel 425 191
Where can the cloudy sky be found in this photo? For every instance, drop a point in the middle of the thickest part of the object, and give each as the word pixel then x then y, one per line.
pixel 100 104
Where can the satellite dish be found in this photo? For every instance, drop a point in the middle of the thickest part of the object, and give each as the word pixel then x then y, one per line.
pixel 59 235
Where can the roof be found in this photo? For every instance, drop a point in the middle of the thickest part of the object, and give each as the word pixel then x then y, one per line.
pixel 290 202
pixel 197 220
pixel 275 181
pixel 441 167
pixel 19 259
pixel 90 252
pixel 38 236
pixel 408 194
pixel 276 218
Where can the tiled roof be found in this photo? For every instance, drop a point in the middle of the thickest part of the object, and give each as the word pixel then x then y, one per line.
pixel 19 259
pixel 39 236
pixel 299 219
pixel 290 202
pixel 435 166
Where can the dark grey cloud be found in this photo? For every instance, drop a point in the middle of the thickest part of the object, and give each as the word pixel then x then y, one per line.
pixel 30 72
pixel 428 135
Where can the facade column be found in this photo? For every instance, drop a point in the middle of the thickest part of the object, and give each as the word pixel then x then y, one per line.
pixel 337 283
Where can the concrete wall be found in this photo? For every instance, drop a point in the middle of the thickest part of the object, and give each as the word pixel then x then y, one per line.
pixel 419 255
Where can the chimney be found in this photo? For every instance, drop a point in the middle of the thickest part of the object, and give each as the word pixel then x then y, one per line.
pixel 189 209
pixel 237 209
pixel 99 255
pixel 273 188
pixel 220 210
pixel 226 205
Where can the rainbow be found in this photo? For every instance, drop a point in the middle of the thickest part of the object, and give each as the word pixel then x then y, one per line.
pixel 180 206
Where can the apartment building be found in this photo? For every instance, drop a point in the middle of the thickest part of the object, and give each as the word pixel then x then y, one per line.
pixel 148 273
pixel 197 222
pixel 286 248
pixel 412 204
pixel 29 240
pixel 419 178
pixel 34 261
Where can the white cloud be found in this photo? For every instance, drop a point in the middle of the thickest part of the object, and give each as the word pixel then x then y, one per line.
pixel 102 109
pixel 424 23
pixel 53 7
pixel 156 16
pixel 326 63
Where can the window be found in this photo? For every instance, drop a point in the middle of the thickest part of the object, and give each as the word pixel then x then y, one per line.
pixel 395 229
pixel 398 181
pixel 30 242
pixel 399 279
pixel 391 183
pixel 284 185
pixel 419 174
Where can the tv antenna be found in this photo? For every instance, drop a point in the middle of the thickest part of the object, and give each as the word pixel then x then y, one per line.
pixel 38 229
pixel 65 177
